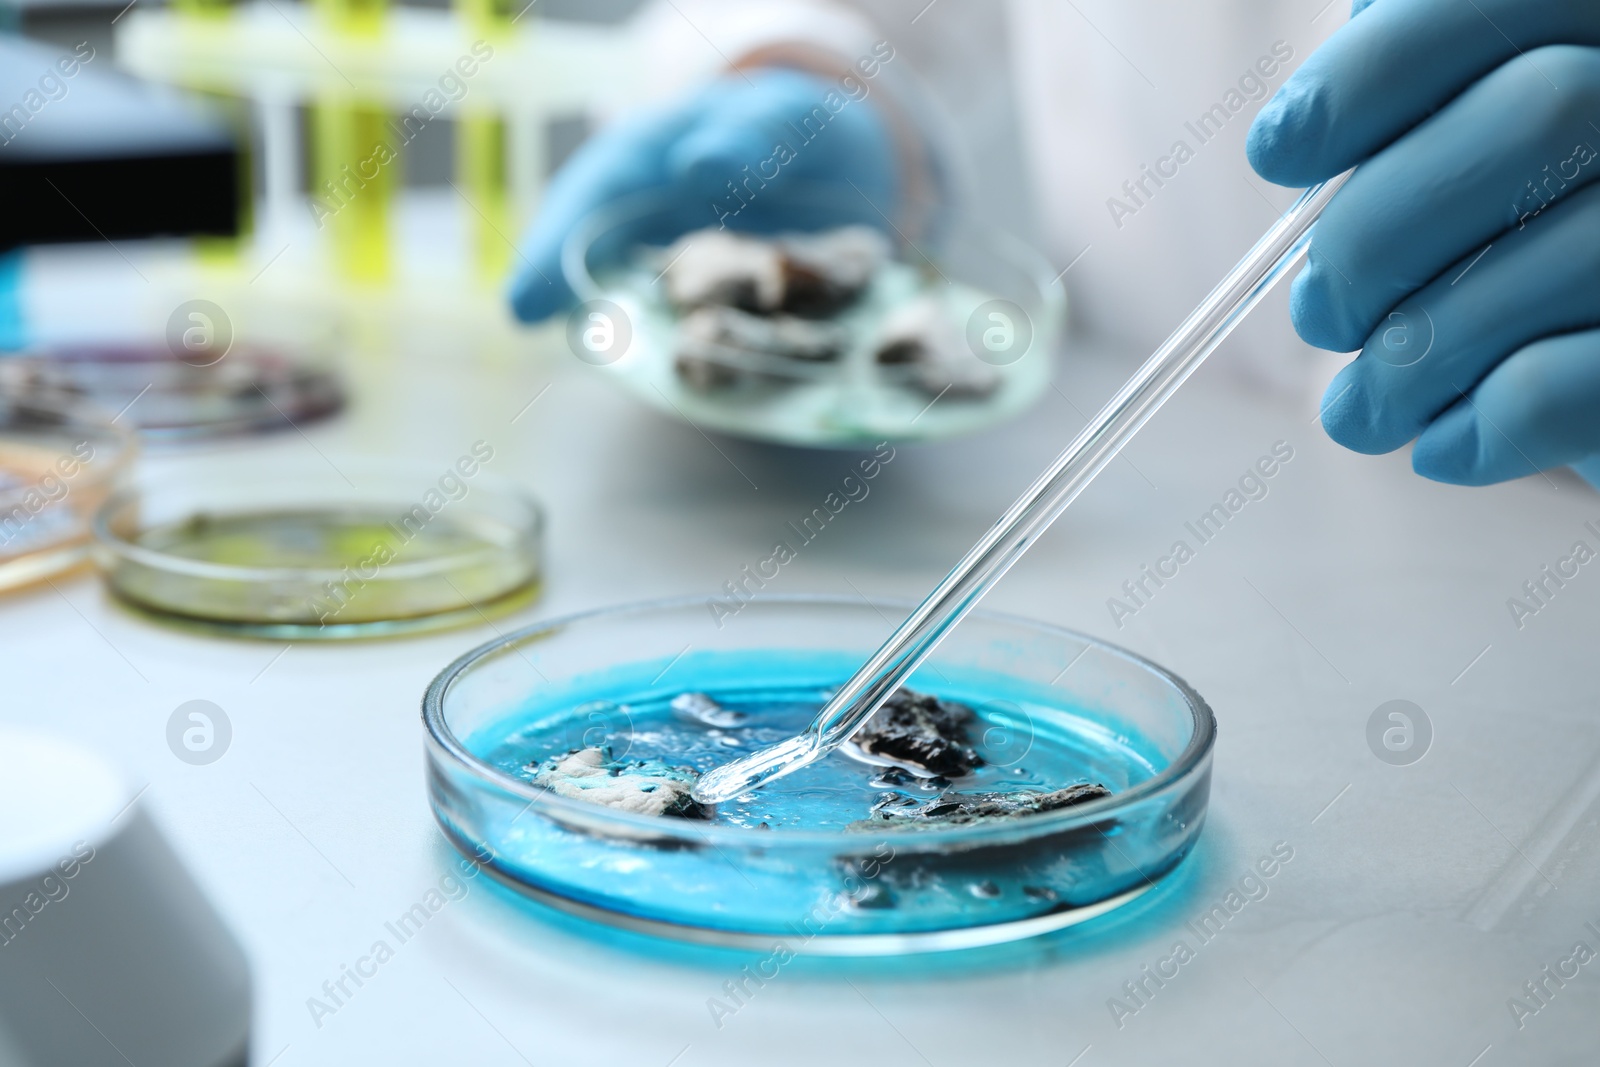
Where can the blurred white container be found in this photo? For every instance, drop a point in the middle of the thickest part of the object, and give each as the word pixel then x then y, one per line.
pixel 109 954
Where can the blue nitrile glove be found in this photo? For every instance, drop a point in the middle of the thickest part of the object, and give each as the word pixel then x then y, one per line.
pixel 768 120
pixel 1476 126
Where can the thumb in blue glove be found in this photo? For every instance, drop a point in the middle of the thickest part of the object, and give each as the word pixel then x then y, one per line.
pixel 701 150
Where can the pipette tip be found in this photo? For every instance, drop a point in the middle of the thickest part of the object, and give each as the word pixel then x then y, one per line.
pixel 732 779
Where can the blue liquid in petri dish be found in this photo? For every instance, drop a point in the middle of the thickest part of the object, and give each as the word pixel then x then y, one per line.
pixel 1024 749
pixel 870 878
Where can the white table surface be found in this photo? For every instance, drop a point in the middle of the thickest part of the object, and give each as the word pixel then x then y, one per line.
pixel 1418 901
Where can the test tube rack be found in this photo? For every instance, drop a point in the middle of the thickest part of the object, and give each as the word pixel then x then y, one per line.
pixel 370 77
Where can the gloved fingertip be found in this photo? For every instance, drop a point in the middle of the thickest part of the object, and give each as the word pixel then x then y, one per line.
pixel 1450 450
pixel 1281 144
pixel 1589 470
pixel 1358 6
pixel 535 294
pixel 1334 410
pixel 1349 416
pixel 1263 143
pixel 1312 312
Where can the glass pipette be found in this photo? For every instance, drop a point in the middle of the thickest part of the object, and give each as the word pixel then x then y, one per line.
pixel 1278 251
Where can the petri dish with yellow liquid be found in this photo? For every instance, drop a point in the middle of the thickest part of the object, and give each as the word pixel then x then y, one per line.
pixel 325 551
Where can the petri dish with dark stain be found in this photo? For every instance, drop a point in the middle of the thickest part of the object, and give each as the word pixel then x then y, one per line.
pixel 246 390
pixel 1048 778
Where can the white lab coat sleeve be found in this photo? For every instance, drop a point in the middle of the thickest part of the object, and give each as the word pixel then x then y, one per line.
pixel 685 42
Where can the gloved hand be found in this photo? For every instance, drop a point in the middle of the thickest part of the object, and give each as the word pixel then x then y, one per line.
pixel 695 148
pixel 1463 257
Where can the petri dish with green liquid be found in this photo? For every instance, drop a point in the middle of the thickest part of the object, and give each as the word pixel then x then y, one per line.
pixel 340 549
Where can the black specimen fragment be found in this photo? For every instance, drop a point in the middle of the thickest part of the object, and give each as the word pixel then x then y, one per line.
pixel 956 809
pixel 921 733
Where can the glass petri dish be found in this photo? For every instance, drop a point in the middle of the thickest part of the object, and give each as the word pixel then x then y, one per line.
pixel 1050 703
pixel 249 389
pixel 321 552
pixel 616 257
pixel 57 465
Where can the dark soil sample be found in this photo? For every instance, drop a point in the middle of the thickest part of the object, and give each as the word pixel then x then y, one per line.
pixel 719 346
pixel 921 733
pixel 959 809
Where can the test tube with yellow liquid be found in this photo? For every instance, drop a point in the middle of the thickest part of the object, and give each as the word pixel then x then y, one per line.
pixel 355 172
pixel 481 155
